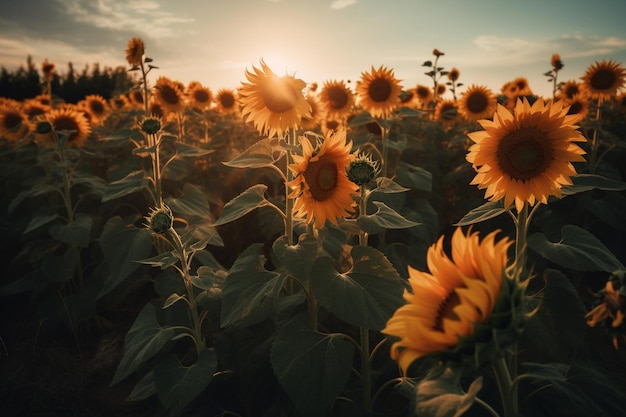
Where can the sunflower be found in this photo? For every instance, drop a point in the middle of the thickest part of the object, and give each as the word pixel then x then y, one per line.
pixel 70 120
pixel 43 99
pixel 453 74
pixel 135 98
pixel 446 111
pixel 424 95
pixel 33 108
pixel 602 80
pixel 134 52
pixel 569 89
pixel 274 104
pixel 156 108
pixel 317 113
pixel 337 99
pixel 119 102
pixel 321 186
pixel 610 307
pixel 441 89
pixel 556 62
pixel 226 101
pixel 449 302
pixel 199 96
pixel 14 123
pixel 477 102
pixel 48 70
pixel 169 94
pixel 97 108
pixel 378 91
pixel 330 125
pixel 526 155
pixel 578 105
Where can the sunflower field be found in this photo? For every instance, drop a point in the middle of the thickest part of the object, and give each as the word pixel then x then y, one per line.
pixel 300 249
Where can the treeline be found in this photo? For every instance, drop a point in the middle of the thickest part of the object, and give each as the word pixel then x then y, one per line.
pixel 70 85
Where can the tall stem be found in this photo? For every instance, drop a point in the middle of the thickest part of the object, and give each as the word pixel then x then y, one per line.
pixel 364 332
pixel 508 391
pixel 594 140
pixel 521 230
pixel 384 139
pixel 291 140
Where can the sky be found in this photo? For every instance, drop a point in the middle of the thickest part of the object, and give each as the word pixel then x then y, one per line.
pixel 215 42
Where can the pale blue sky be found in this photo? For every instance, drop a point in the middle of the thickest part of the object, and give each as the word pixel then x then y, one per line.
pixel 489 41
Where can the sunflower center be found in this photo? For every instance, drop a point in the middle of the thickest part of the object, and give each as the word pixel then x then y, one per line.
pixel 67 123
pixel 379 90
pixel 575 108
pixel 201 96
pixel 96 107
pixel 321 176
pixel 337 98
pixel 602 79
pixel 524 153
pixel 279 97
pixel 170 95
pixel 227 100
pixel 445 310
pixel 477 103
pixel 12 120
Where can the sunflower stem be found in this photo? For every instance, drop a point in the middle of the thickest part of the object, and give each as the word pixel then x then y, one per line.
pixel 366 368
pixel 521 231
pixel 594 140
pixel 508 391
pixel 291 140
pixel 383 139
pixel 362 212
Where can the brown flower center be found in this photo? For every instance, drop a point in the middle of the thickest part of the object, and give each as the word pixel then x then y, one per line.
pixel 602 79
pixel 379 90
pixel 201 96
pixel 524 153
pixel 477 102
pixel 445 310
pixel 571 91
pixel 337 98
pixel 279 96
pixel 170 95
pixel 227 100
pixel 423 92
pixel 96 107
pixel 575 108
pixel 67 123
pixel 12 120
pixel 321 176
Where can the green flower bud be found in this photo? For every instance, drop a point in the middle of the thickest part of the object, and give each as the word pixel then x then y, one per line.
pixel 151 125
pixel 363 170
pixel 160 220
pixel 43 128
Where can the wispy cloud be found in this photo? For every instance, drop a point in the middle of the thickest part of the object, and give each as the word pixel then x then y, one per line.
pixel 340 4
pixel 146 15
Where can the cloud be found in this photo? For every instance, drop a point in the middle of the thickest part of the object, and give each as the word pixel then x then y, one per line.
pixel 340 4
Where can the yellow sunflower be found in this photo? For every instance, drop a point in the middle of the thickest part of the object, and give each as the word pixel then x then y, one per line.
pixel 379 91
pixel 448 302
pixel 169 94
pixel 569 89
pixel 274 104
pixel 424 95
pixel 226 101
pixel 603 80
pixel 477 102
pixel 446 111
pixel 48 70
pixel 578 105
pixel 317 113
pixel 97 108
pixel 329 126
pixel 135 98
pixel 199 96
pixel 33 108
pixel 453 74
pixel 14 124
pixel 321 186
pixel 134 51
pixel 119 102
pixel 441 89
pixel 66 119
pixel 337 99
pixel 527 155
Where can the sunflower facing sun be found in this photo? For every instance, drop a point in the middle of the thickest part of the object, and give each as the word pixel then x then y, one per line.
pixel 527 155
pixel 448 303
pixel 602 80
pixel 379 91
pixel 337 99
pixel 274 104
pixel 321 186
pixel 477 102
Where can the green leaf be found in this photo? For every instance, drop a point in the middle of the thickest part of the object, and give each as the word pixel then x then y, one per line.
pixel 414 177
pixel 388 186
pixel 586 182
pixel 243 204
pixel 250 292
pixel 77 233
pixel 38 221
pixel 443 397
pixel 38 189
pixel 546 371
pixel 143 389
pixel 171 300
pixel 186 150
pixel 487 211
pixel 361 119
pixel 163 260
pixel 367 295
pixel 178 385
pixel 209 278
pixel 121 246
pixel 297 259
pixel 263 153
pixel 145 339
pixel 124 135
pixel 131 183
pixel 384 218
pixel 409 112
pixel 312 367
pixel 192 202
pixel 578 249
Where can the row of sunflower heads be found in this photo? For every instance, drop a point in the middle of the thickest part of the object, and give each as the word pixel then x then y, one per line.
pixel 463 314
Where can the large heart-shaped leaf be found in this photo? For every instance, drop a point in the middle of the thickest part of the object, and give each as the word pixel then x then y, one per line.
pixel 263 153
pixel 384 218
pixel 312 367
pixel 77 233
pixel 244 203
pixel 487 211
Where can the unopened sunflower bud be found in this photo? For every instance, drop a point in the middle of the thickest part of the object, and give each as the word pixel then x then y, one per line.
pixel 151 125
pixel 43 128
pixel 363 170
pixel 160 220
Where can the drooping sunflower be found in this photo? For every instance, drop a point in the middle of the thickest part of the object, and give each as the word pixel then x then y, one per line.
pixel 321 187
pixel 477 102
pixel 447 303
pixel 66 119
pixel 337 99
pixel 378 91
pixel 226 101
pixel 318 113
pixel 169 94
pixel 527 155
pixel 199 96
pixel 602 80
pixel 14 124
pixel 274 104
pixel 134 51
pixel 97 108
